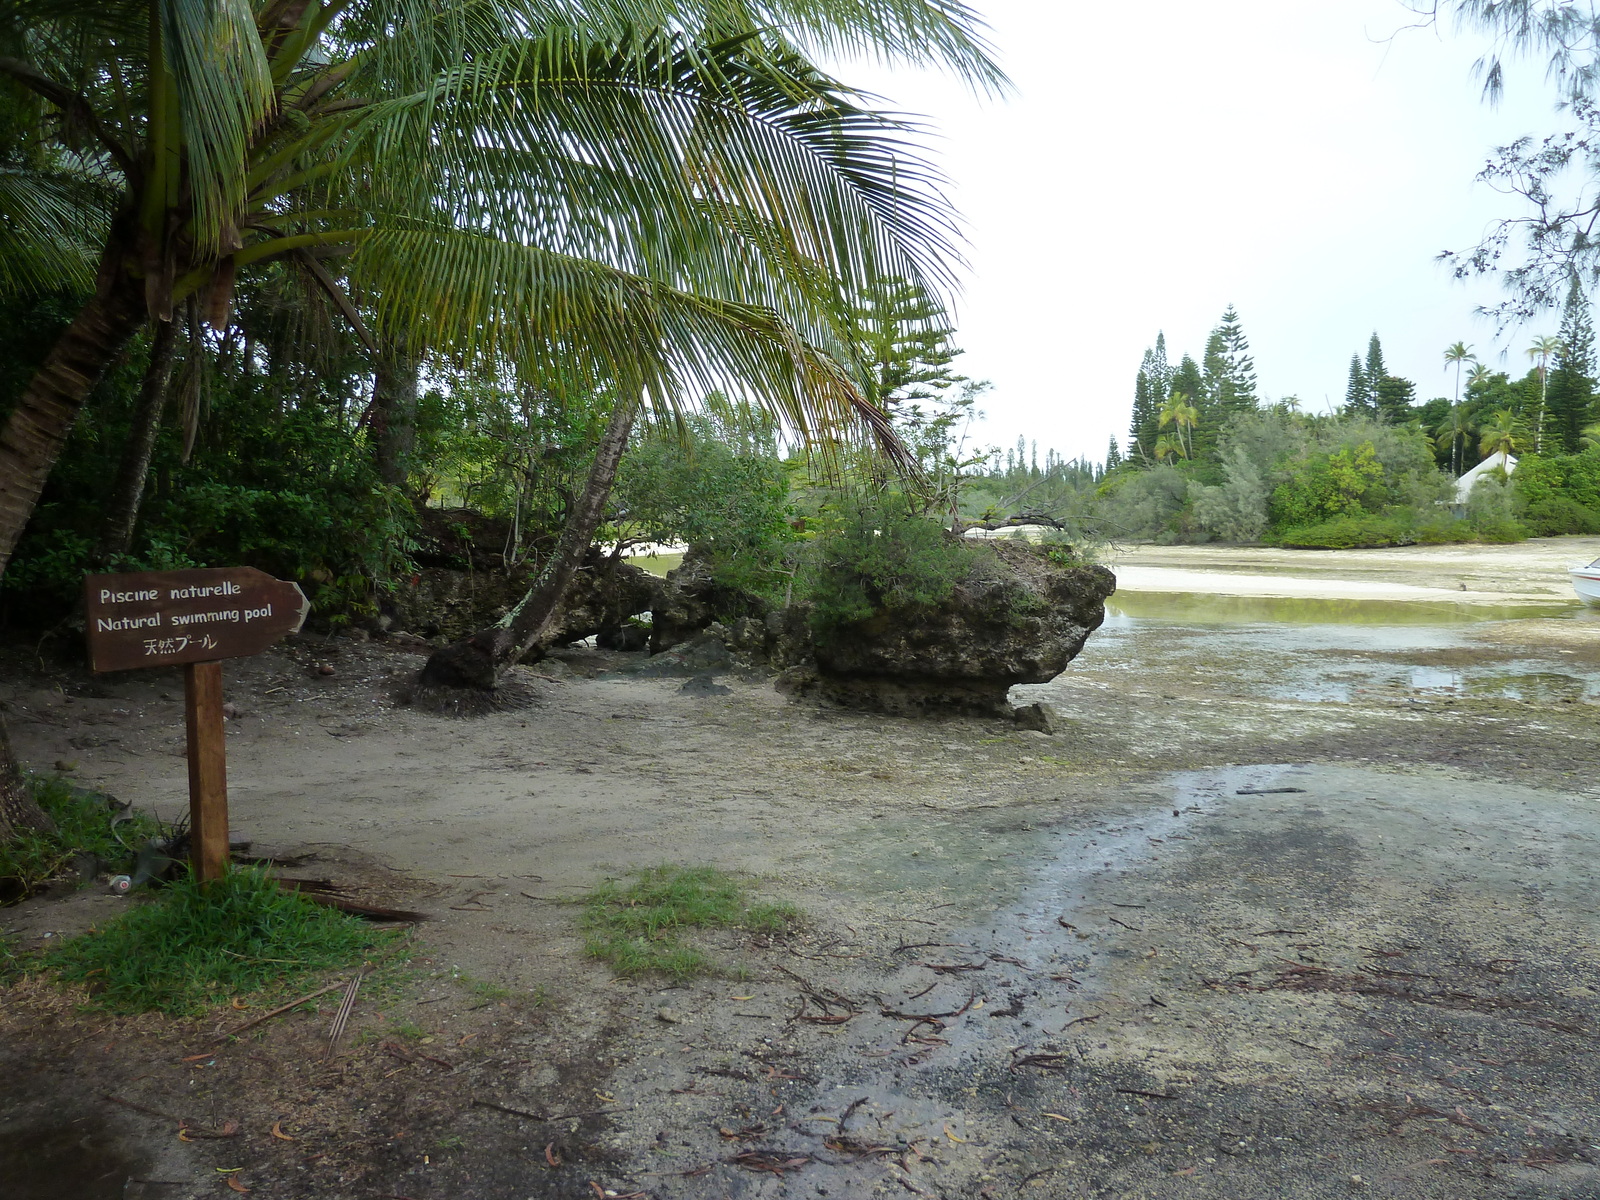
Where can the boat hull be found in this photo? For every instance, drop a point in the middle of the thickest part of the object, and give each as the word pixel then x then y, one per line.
pixel 1586 581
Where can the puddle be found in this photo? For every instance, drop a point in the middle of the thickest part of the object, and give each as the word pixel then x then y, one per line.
pixel 80 1160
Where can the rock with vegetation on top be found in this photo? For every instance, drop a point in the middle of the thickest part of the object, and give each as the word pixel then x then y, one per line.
pixel 693 600
pixel 1018 616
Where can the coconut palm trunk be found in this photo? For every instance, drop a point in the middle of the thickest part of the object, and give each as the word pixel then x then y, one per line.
pixel 48 407
pixel 395 383
pixel 122 508
pixel 476 664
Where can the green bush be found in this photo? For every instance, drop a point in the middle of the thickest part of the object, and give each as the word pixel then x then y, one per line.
pixel 1552 516
pixel 720 488
pixel 879 557
pixel 1443 531
pixel 1361 529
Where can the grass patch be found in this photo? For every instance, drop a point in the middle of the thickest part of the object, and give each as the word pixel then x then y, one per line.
pixel 83 827
pixel 192 946
pixel 637 925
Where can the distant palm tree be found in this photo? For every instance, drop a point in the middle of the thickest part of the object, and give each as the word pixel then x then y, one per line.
pixel 1457 353
pixel 1179 413
pixel 1502 434
pixel 1540 351
pixel 1450 433
pixel 1167 446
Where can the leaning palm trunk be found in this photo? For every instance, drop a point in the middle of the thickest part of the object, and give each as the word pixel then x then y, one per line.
pixel 19 811
pixel 48 407
pixel 475 664
pixel 122 509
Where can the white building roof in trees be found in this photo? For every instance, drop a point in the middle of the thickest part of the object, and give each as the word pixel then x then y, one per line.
pixel 1467 482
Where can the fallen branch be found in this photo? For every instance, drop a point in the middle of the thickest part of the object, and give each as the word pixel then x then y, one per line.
pixel 280 1010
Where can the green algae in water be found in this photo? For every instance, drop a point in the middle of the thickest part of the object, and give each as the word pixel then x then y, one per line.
pixel 1195 608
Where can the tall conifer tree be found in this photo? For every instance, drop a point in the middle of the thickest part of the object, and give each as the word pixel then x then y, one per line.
pixel 1569 400
pixel 1239 367
pixel 1113 455
pixel 1355 392
pixel 1159 369
pixel 1145 426
pixel 1375 371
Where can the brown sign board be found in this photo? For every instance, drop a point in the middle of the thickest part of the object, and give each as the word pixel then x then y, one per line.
pixel 163 618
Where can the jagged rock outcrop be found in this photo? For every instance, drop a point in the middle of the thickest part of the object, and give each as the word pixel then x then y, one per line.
pixel 454 602
pixel 692 600
pixel 1018 617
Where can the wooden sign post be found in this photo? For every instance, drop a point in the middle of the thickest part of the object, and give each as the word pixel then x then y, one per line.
pixel 194 618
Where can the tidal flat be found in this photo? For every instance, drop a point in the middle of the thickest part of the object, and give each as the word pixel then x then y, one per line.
pixel 1298 900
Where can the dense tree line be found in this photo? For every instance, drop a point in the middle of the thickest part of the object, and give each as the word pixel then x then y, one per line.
pixel 1207 458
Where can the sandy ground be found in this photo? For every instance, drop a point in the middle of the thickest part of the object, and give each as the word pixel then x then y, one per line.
pixel 1533 572
pixel 1280 911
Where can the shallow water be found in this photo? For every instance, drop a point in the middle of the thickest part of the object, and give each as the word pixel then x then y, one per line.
pixel 1332 650
pixel 1192 608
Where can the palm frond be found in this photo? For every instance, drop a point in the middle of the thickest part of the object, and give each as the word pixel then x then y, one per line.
pixel 52 225
pixel 224 93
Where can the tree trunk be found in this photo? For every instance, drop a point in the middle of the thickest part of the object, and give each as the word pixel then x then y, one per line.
pixel 44 414
pixel 394 412
pixel 19 811
pixel 122 507
pixel 476 663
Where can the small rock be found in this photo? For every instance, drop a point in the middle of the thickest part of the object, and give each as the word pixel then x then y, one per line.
pixel 1036 717
pixel 704 685
pixel 324 669
pixel 669 1016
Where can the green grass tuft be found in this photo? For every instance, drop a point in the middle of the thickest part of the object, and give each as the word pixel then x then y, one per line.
pixel 83 826
pixel 636 926
pixel 192 945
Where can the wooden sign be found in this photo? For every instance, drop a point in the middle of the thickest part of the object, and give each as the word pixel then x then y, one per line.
pixel 195 618
pixel 164 618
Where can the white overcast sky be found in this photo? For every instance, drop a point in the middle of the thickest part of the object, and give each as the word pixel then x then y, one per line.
pixel 1296 158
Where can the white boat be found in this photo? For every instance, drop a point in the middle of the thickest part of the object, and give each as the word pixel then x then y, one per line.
pixel 1586 580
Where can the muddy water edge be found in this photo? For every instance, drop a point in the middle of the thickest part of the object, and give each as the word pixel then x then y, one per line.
pixel 1283 909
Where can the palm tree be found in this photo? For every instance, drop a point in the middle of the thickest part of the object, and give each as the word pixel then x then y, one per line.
pixel 1169 446
pixel 1502 434
pixel 629 200
pixel 1457 353
pixel 1450 433
pixel 1182 415
pixel 1541 351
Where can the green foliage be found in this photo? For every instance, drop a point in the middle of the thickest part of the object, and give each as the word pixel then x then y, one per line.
pixel 1324 486
pixel 1152 504
pixel 284 485
pixel 880 556
pixel 1357 529
pixel 194 945
pixel 1571 396
pixel 720 487
pixel 82 827
pixel 637 926
pixel 1559 493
